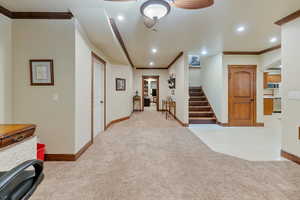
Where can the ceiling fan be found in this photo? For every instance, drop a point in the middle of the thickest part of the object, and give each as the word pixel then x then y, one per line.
pixel 154 10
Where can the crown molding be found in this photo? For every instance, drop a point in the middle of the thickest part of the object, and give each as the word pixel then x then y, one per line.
pixel 175 59
pixel 252 52
pixel 270 49
pixel 151 68
pixel 288 18
pixel 5 12
pixel 35 15
pixel 241 52
pixel 120 39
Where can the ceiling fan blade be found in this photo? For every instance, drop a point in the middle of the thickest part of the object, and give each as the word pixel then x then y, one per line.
pixel 192 4
pixel 120 0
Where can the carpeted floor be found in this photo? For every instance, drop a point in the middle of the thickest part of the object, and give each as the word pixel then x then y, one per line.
pixel 149 158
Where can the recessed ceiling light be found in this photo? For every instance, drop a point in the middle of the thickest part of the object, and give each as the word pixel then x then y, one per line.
pixel 204 52
pixel 120 17
pixel 154 50
pixel 151 63
pixel 273 39
pixel 241 29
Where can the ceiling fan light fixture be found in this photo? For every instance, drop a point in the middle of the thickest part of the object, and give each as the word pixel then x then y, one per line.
pixel 155 9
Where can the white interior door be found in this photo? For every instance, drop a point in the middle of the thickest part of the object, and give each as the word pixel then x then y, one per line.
pixel 98 97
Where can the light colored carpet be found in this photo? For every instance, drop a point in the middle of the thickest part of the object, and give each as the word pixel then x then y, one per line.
pixel 149 158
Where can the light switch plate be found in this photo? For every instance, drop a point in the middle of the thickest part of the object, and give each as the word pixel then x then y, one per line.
pixel 55 97
pixel 294 95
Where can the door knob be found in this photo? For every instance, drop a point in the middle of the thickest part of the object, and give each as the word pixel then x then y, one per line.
pixel 101 101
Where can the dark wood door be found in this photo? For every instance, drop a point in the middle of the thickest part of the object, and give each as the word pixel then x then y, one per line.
pixel 242 95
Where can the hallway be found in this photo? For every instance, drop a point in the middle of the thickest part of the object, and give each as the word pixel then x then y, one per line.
pixel 148 157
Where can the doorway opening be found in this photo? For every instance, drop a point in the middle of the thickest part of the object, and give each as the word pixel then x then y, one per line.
pixel 242 95
pixel 150 93
pixel 98 96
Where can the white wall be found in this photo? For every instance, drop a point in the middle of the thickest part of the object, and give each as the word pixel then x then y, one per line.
pixel 195 77
pixel 181 71
pixel 119 104
pixel 5 70
pixel 63 123
pixel 270 59
pixel 83 85
pixel 213 84
pixel 46 39
pixel 163 81
pixel 291 82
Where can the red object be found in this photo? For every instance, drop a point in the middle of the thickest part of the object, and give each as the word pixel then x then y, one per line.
pixel 41 151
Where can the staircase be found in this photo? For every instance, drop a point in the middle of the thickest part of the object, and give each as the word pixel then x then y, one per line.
pixel 200 111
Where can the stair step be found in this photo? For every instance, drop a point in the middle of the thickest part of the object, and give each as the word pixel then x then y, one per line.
pixel 196 93
pixel 195 89
pixel 198 103
pixel 199 108
pixel 200 111
pixel 201 114
pixel 198 98
pixel 202 120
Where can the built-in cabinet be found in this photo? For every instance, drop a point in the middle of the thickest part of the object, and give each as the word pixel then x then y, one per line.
pixel 274 78
pixel 268 106
pixel 271 78
pixel 272 94
pixel 266 79
pixel 146 87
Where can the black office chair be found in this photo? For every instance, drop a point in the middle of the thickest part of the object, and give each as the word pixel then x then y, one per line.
pixel 19 183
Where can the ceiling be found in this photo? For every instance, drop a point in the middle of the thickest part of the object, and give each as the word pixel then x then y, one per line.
pixel 212 29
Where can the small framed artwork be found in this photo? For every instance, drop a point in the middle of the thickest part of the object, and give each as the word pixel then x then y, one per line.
pixel 120 84
pixel 172 81
pixel 41 72
pixel 194 61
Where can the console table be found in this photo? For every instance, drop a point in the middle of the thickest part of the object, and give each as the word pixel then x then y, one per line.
pixel 137 100
pixel 169 106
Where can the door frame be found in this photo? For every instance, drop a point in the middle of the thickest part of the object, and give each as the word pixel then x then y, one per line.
pixel 230 67
pixel 96 57
pixel 157 80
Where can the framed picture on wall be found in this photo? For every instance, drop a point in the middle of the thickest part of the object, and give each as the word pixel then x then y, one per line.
pixel 172 81
pixel 120 84
pixel 194 61
pixel 41 72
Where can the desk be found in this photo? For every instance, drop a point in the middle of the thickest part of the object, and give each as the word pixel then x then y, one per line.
pixel 14 133
pixel 17 144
